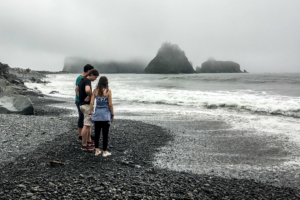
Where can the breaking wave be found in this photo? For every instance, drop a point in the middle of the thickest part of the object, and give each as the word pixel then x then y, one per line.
pixel 141 89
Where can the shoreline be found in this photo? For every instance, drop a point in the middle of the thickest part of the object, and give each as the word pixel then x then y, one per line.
pixel 127 174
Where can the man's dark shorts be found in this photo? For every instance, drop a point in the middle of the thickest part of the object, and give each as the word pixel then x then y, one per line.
pixel 81 116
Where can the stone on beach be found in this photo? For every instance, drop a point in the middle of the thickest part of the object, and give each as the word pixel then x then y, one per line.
pixel 15 104
pixel 32 92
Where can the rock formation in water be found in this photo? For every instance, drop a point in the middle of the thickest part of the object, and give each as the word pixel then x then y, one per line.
pixel 75 65
pixel 170 59
pixel 213 66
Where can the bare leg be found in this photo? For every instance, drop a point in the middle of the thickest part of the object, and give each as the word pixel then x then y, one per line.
pixel 89 133
pixel 84 134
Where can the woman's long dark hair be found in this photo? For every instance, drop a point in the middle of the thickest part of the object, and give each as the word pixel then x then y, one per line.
pixel 91 72
pixel 102 84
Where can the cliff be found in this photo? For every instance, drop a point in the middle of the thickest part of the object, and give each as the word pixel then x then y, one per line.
pixel 170 59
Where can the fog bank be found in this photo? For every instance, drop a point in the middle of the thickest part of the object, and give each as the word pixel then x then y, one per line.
pixel 262 36
pixel 75 65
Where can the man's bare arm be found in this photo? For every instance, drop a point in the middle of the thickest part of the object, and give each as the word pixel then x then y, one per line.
pixel 88 90
pixel 77 91
pixel 92 103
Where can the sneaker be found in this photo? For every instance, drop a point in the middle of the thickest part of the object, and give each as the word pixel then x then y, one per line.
pixel 79 139
pixel 90 148
pixel 91 143
pixel 84 148
pixel 97 154
pixel 106 154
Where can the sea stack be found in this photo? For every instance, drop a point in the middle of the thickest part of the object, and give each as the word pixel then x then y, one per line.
pixel 170 59
pixel 214 66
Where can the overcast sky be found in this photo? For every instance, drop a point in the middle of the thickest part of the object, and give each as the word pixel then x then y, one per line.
pixel 260 35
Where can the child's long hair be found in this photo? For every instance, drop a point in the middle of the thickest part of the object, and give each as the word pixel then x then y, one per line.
pixel 102 84
pixel 91 72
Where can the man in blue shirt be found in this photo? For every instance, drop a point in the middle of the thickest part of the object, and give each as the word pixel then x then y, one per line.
pixel 86 70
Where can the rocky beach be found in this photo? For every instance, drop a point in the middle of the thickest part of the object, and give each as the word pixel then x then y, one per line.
pixel 30 144
pixel 168 158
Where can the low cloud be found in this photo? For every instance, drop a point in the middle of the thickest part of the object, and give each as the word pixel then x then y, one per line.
pixel 262 36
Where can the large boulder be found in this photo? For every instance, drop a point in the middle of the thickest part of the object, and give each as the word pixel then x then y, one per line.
pixel 15 104
pixel 170 59
pixel 213 66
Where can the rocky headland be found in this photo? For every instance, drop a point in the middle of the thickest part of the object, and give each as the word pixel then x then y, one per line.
pixel 214 66
pixel 27 75
pixel 51 72
pixel 170 59
pixel 13 92
pixel 75 65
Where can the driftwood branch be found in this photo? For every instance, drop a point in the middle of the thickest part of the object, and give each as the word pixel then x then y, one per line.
pixel 56 163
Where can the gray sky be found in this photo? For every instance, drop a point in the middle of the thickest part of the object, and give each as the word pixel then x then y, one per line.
pixel 260 35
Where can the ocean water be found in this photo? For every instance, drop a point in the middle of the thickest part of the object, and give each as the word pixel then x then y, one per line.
pixel 263 107
pixel 271 98
pixel 276 94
